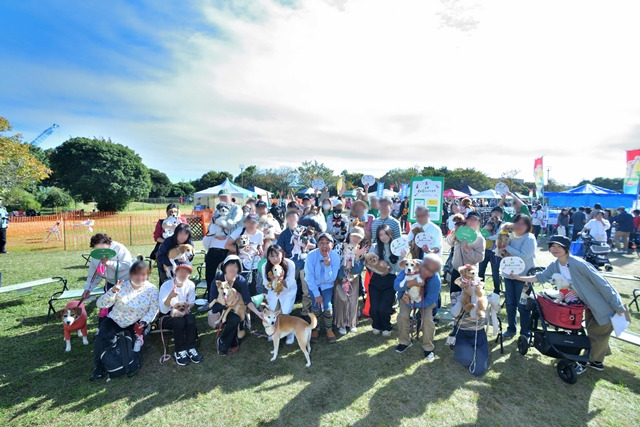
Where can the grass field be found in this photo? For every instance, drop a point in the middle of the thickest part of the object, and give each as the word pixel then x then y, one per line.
pixel 358 381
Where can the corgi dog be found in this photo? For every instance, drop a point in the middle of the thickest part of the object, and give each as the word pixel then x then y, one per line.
pixel 411 269
pixel 277 325
pixel 74 318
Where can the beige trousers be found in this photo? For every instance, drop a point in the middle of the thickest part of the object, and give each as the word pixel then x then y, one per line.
pixel 599 336
pixel 428 327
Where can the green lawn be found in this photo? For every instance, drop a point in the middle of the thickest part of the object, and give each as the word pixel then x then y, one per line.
pixel 360 380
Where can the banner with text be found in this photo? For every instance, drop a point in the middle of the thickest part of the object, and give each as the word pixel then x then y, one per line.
pixel 632 175
pixel 427 191
pixel 538 176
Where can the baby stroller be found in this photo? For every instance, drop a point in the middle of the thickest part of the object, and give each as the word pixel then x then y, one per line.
pixel 595 252
pixel 556 331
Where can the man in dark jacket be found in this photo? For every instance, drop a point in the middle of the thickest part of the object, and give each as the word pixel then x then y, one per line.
pixel 579 219
pixel 624 227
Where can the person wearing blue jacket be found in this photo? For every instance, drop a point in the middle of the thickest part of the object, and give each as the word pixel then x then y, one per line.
pixel 320 272
pixel 430 274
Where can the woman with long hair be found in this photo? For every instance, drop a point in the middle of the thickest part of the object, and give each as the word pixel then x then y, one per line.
pixel 287 296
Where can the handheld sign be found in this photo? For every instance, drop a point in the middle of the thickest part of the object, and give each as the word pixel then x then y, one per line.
pixel 257 299
pixel 501 188
pixel 102 253
pixel 368 180
pixel 400 247
pixel 317 184
pixel 200 302
pixel 466 234
pixel 423 239
pixel 485 233
pixel 512 265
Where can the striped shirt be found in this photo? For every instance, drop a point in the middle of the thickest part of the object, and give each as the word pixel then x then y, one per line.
pixel 393 223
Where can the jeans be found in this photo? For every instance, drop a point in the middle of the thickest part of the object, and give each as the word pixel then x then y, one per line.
pixel 184 331
pixel 491 258
pixel 327 299
pixel 513 290
pixel 536 230
pixel 463 351
pixel 382 297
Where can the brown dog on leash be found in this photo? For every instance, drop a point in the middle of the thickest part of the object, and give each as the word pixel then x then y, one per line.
pixel 277 325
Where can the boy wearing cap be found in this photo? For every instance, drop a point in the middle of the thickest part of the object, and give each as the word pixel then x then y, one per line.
pixel 172 292
pixel 320 271
pixel 4 224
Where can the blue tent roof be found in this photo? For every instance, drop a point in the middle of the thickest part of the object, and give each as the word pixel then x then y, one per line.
pixel 590 189
pixel 235 190
pixel 588 195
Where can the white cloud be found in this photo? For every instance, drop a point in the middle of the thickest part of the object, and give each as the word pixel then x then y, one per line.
pixel 371 84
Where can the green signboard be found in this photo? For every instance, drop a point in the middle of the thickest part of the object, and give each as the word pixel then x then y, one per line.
pixel 427 191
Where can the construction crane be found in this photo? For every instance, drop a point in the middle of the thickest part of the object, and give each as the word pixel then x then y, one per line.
pixel 44 135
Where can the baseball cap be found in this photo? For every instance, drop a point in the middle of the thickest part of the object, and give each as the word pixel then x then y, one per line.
pixel 497 209
pixel 305 198
pixel 252 217
pixel 184 264
pixel 473 214
pixel 261 204
pixel 327 236
pixel 223 192
pixel 357 231
pixel 563 241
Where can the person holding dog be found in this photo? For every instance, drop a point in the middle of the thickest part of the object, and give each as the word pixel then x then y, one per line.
pixel 230 272
pixel 159 230
pixel 250 254
pixel 180 290
pixel 320 271
pixel 470 344
pixel 430 275
pixel 602 300
pixel 111 270
pixel 347 287
pixel 133 304
pixel 287 297
pixel 381 291
pixel 4 224
pixel 181 236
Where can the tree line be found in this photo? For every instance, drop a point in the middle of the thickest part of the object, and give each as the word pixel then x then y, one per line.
pixel 112 175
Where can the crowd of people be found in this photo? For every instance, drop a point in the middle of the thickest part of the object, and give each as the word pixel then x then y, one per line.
pixel 323 249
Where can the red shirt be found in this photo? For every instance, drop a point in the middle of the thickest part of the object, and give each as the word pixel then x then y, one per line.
pixel 157 233
pixel 636 222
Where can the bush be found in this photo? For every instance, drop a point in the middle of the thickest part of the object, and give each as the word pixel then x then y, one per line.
pixel 19 199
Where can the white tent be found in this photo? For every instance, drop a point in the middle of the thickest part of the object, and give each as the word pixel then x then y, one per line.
pixel 234 190
pixel 487 194
pixel 385 192
pixel 260 191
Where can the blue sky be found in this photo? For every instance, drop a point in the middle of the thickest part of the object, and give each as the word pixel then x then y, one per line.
pixel 363 85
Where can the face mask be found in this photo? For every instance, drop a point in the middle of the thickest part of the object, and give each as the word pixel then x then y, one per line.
pixel 326 206
pixel 337 212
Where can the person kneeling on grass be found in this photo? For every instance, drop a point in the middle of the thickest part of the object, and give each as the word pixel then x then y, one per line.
pixel 134 305
pixel 602 300
pixel 471 348
pixel 429 273
pixel 177 297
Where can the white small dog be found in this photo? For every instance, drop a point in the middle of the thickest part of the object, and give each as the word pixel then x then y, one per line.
pixel 169 225
pixel 220 220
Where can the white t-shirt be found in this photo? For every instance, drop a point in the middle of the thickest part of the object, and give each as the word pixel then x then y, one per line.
pixel 597 229
pixel 249 255
pixel 186 293
pixel 564 270
pixel 537 217
pixel 431 230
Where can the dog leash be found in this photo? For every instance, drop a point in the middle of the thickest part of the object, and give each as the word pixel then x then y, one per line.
pixel 165 357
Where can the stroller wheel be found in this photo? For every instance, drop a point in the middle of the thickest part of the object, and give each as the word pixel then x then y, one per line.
pixel 523 345
pixel 608 267
pixel 567 371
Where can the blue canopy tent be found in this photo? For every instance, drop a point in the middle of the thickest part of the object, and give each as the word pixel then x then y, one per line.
pixel 588 195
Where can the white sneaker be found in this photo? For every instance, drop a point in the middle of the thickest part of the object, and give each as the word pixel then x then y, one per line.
pixel 353 330
pixel 270 339
pixel 375 331
pixel 386 333
pixel 290 339
pixel 342 331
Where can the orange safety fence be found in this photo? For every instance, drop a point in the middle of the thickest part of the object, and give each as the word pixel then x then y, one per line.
pixel 74 233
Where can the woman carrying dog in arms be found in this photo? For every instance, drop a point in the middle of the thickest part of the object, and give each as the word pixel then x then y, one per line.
pixel 252 252
pixel 172 209
pixel 176 298
pixel 465 253
pixel 181 236
pixel 134 304
pixel 522 245
pixel 112 270
pixel 286 297
pixel 602 300
pixel 230 272
pixel 347 287
pixel 381 291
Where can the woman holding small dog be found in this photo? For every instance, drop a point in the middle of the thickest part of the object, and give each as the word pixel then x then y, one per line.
pixel 602 300
pixel 176 298
pixel 381 291
pixel 465 253
pixel 181 236
pixel 230 272
pixel 522 245
pixel 134 304
pixel 287 297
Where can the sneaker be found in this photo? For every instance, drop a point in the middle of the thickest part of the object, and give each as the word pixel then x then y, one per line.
pixel 401 347
pixel 342 331
pixel 194 356
pixel 353 330
pixel 580 368
pixel 436 321
pixel 314 336
pixel 182 358
pixel 331 337
pixel 375 331
pixel 97 374
pixel 290 339
pixel 598 366
pixel 222 348
pixel 386 334
pixel 429 355
pixel 508 335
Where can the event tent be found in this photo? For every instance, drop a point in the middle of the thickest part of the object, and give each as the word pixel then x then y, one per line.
pixel 351 193
pixel 306 192
pixel 469 190
pixel 235 190
pixel 486 194
pixel 455 194
pixel 588 195
pixel 385 192
pixel 260 191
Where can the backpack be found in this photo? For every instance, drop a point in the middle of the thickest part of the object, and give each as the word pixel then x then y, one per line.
pixel 119 358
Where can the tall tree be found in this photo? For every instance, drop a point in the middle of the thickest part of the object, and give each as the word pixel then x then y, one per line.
pixel 309 171
pixel 95 169
pixel 182 189
pixel 614 184
pixel 399 176
pixel 352 180
pixel 18 166
pixel 211 179
pixel 160 184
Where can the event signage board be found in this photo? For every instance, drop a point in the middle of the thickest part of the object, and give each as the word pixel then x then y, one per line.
pixel 426 191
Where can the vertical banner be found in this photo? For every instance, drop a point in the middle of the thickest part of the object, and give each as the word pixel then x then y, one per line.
pixel 404 191
pixel 632 175
pixel 340 187
pixel 427 191
pixel 380 189
pixel 538 176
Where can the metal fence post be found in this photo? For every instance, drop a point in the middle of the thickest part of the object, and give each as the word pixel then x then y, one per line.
pixel 64 232
pixel 130 231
